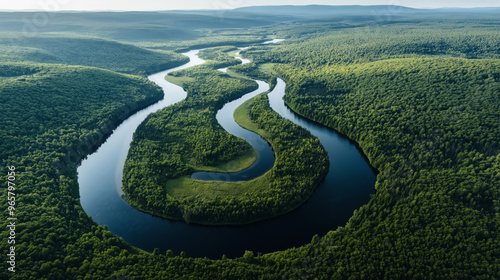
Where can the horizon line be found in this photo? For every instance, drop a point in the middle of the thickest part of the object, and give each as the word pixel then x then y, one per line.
pixel 215 9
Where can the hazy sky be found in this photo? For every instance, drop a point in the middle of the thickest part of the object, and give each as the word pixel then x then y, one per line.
pixel 136 5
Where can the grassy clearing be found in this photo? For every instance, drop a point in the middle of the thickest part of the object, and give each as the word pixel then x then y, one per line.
pixel 238 164
pixel 180 81
pixel 185 187
pixel 268 68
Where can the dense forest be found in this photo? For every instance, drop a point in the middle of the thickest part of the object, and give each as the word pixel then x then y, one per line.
pixel 419 94
pixel 53 115
pixel 86 51
pixel 431 127
pixel 430 123
pixel 185 137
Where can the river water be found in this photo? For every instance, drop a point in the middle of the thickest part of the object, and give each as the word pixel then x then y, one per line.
pixel 265 155
pixel 347 186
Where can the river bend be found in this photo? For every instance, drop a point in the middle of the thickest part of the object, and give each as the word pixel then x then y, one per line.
pixel 346 187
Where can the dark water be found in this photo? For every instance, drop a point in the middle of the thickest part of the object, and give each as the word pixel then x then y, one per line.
pixel 347 186
pixel 265 155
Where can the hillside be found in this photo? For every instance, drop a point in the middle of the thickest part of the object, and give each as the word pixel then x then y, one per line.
pixel 86 51
pixel 128 26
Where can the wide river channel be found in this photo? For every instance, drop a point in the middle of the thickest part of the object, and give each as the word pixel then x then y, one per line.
pixel 347 187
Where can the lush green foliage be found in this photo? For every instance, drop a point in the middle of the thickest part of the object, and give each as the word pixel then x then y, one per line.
pixel 186 137
pixel 333 44
pixel 430 125
pixel 212 39
pixel 52 115
pixel 154 30
pixel 131 26
pixel 85 51
pixel 435 214
pixel 59 106
pixel 255 72
pixel 219 57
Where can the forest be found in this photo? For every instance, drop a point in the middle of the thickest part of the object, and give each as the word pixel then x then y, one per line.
pixel 418 93
pixel 185 137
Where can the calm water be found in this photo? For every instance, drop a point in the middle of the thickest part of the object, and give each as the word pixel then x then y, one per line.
pixel 347 186
pixel 265 155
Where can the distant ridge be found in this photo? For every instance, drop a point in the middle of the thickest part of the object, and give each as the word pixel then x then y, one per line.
pixel 288 10
pixel 326 10
pixel 480 9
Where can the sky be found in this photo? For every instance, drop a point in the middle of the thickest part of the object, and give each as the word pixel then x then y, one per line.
pixel 141 5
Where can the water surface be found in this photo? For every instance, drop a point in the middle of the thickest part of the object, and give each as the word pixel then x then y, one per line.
pixel 265 155
pixel 347 186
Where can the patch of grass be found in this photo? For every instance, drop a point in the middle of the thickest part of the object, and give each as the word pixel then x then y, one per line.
pixel 268 68
pixel 238 164
pixel 185 187
pixel 180 81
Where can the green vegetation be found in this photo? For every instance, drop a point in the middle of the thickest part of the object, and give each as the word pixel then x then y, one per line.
pixel 332 44
pixel 211 39
pixel 220 55
pixel 41 105
pixel 259 72
pixel 427 121
pixel 186 137
pixel 430 126
pixel 137 27
pixel 152 30
pixel 86 51
pixel 190 126
pixel 52 115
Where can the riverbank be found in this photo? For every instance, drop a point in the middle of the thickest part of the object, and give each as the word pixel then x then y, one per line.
pixel 300 165
pixel 330 205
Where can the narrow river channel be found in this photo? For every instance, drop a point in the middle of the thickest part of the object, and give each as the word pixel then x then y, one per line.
pixel 347 186
pixel 265 155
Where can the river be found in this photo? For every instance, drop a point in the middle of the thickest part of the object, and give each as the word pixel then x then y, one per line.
pixel 265 155
pixel 346 187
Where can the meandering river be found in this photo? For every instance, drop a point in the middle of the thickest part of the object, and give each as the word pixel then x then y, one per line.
pixel 265 155
pixel 347 186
